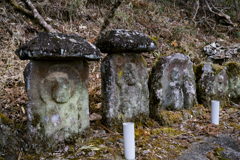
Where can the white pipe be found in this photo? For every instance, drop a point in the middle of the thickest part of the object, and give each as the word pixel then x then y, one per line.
pixel 129 140
pixel 215 112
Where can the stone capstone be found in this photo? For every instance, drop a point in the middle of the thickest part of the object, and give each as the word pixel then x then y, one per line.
pixel 171 84
pixel 212 84
pixel 124 90
pixel 125 41
pixel 58 46
pixel 58 98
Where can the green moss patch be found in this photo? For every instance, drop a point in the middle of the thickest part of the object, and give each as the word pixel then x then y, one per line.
pixel 5 120
pixel 233 69
pixel 168 118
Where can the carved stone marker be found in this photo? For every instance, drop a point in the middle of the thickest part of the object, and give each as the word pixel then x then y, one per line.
pixel 233 70
pixel 212 84
pixel 124 77
pixel 56 80
pixel 172 84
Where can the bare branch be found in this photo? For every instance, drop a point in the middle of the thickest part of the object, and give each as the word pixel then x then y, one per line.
pixel 20 8
pixel 220 14
pixel 39 17
pixel 208 25
pixel 109 17
pixel 193 19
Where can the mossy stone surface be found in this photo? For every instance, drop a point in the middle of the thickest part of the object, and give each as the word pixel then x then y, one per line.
pixel 233 71
pixel 171 85
pixel 124 90
pixel 9 139
pixel 212 84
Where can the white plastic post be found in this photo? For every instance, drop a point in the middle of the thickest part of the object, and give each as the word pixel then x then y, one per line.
pixel 129 140
pixel 215 112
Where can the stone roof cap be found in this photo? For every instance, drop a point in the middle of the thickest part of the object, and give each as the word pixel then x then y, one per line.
pixel 58 46
pixel 125 41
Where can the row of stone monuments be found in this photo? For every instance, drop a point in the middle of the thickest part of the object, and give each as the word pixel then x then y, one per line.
pixel 56 81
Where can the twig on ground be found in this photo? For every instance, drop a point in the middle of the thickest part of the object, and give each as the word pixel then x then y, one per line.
pixel 208 25
pixel 33 13
pixel 20 8
pixel 210 129
pixel 193 19
pixel 99 123
pixel 39 17
pixel 220 14
pixel 20 155
pixel 112 153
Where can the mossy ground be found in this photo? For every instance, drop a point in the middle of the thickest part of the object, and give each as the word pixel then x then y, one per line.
pixel 5 120
pixel 168 118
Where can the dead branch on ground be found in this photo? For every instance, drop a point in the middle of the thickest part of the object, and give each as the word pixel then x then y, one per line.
pixel 109 16
pixel 33 13
pixel 20 8
pixel 220 14
pixel 193 19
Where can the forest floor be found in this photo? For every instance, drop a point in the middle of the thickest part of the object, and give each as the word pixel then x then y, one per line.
pixel 166 23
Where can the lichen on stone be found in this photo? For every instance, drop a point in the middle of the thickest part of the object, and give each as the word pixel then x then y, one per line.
pixel 124 90
pixel 233 71
pixel 212 84
pixel 58 46
pixel 125 41
pixel 171 85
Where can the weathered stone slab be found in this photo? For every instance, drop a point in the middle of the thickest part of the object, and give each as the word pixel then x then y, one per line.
pixel 58 98
pixel 172 84
pixel 212 84
pixel 222 145
pixel 233 71
pixel 58 46
pixel 124 90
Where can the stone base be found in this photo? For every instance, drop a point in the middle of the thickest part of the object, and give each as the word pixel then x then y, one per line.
pixel 58 99
pixel 124 90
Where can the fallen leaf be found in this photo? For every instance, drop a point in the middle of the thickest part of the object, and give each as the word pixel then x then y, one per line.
pixel 174 43
pixel 95 117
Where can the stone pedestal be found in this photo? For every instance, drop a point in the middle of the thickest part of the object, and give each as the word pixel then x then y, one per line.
pixel 124 89
pixel 58 98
